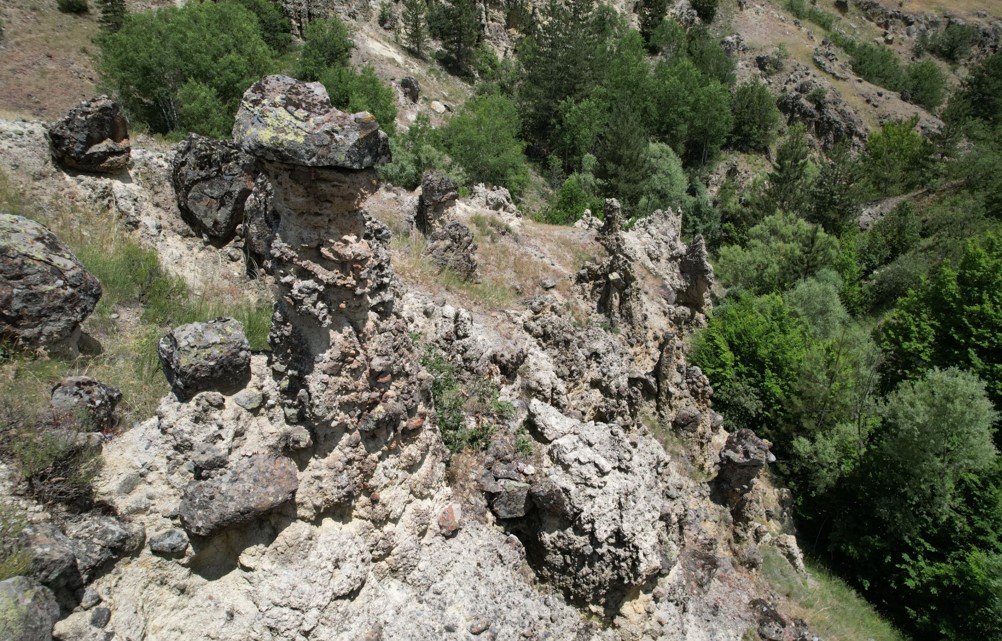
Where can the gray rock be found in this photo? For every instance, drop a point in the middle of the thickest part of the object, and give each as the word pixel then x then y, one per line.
pixel 93 137
pixel 438 195
pixel 286 120
pixel 89 400
pixel 249 399
pixel 212 181
pixel 512 501
pixel 100 617
pixel 247 489
pixel 411 88
pixel 45 293
pixel 743 457
pixel 205 356
pixel 170 543
pixel 452 247
pixel 97 540
pixel 27 610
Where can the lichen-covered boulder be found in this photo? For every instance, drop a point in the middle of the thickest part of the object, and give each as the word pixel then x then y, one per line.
pixel 286 120
pixel 45 293
pixel 93 136
pixel 88 400
pixel 249 488
pixel 27 610
pixel 206 356
pixel 212 180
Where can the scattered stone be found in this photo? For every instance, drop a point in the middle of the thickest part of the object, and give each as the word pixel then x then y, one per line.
pixel 100 617
pixel 27 610
pixel 205 356
pixel 411 88
pixel 479 625
pixel 450 519
pixel 247 489
pixel 212 181
pixel 548 283
pixel 249 399
pixel 285 120
pixel 88 400
pixel 438 107
pixel 687 419
pixel 92 137
pixel 90 599
pixel 169 543
pixel 512 501
pixel 45 293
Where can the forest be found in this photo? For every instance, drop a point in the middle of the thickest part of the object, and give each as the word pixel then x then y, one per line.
pixel 870 355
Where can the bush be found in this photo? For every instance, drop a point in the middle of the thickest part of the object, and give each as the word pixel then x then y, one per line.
pixel 326 44
pixel 484 139
pixel 14 558
pixel 665 184
pixel 879 65
pixel 73 6
pixel 413 153
pixel 156 54
pixel 705 9
pixel 953 44
pixel 362 91
pixel 926 84
pixel 577 193
pixel 756 117
pixel 897 158
pixel 274 24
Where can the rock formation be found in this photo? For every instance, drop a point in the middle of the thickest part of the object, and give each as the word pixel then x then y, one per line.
pixel 205 356
pixel 45 293
pixel 88 400
pixel 92 137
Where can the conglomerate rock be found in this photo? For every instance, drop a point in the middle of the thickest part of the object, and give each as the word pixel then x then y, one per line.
pixel 45 293
pixel 205 356
pixel 93 136
pixel 88 400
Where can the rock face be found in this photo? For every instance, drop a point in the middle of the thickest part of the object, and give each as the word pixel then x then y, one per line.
pixel 27 610
pixel 45 293
pixel 826 115
pixel 205 356
pixel 212 180
pixel 438 196
pixel 599 502
pixel 92 137
pixel 284 120
pixel 92 402
pixel 249 488
pixel 451 246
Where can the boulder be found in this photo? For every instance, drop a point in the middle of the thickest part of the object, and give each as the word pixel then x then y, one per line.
pixel 45 293
pixel 89 400
pixel 411 88
pixel 212 181
pixel 27 610
pixel 743 457
pixel 93 137
pixel 438 195
pixel 169 543
pixel 452 247
pixel 249 488
pixel 205 356
pixel 285 120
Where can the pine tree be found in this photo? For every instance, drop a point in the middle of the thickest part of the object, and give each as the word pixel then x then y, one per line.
pixel 462 32
pixel 112 14
pixel 415 29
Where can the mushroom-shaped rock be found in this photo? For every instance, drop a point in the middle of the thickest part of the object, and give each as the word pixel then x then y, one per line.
pixel 45 293
pixel 93 137
pixel 286 120
pixel 212 180
pixel 438 195
pixel 27 610
pixel 206 356
pixel 247 489
pixel 89 400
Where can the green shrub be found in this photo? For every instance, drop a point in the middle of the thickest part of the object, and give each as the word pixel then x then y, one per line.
pixel 926 84
pixel 73 6
pixel 879 65
pixel 756 117
pixel 483 138
pixel 953 44
pixel 216 46
pixel 897 157
pixel 576 194
pixel 414 151
pixel 705 9
pixel 274 24
pixel 326 44
pixel 361 91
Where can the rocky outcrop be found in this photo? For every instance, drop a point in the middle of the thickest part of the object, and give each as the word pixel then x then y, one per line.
pixel 807 99
pixel 27 610
pixel 437 200
pixel 411 88
pixel 205 356
pixel 89 401
pixel 45 293
pixel 93 137
pixel 213 180
pixel 247 489
pixel 451 246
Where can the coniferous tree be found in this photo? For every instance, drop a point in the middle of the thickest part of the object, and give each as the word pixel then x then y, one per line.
pixel 462 32
pixel 788 180
pixel 415 28
pixel 112 14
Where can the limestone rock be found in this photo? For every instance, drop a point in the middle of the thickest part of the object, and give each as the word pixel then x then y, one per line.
pixel 205 356
pixel 287 120
pixel 93 137
pixel 247 489
pixel 89 400
pixel 27 610
pixel 212 180
pixel 452 247
pixel 45 293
